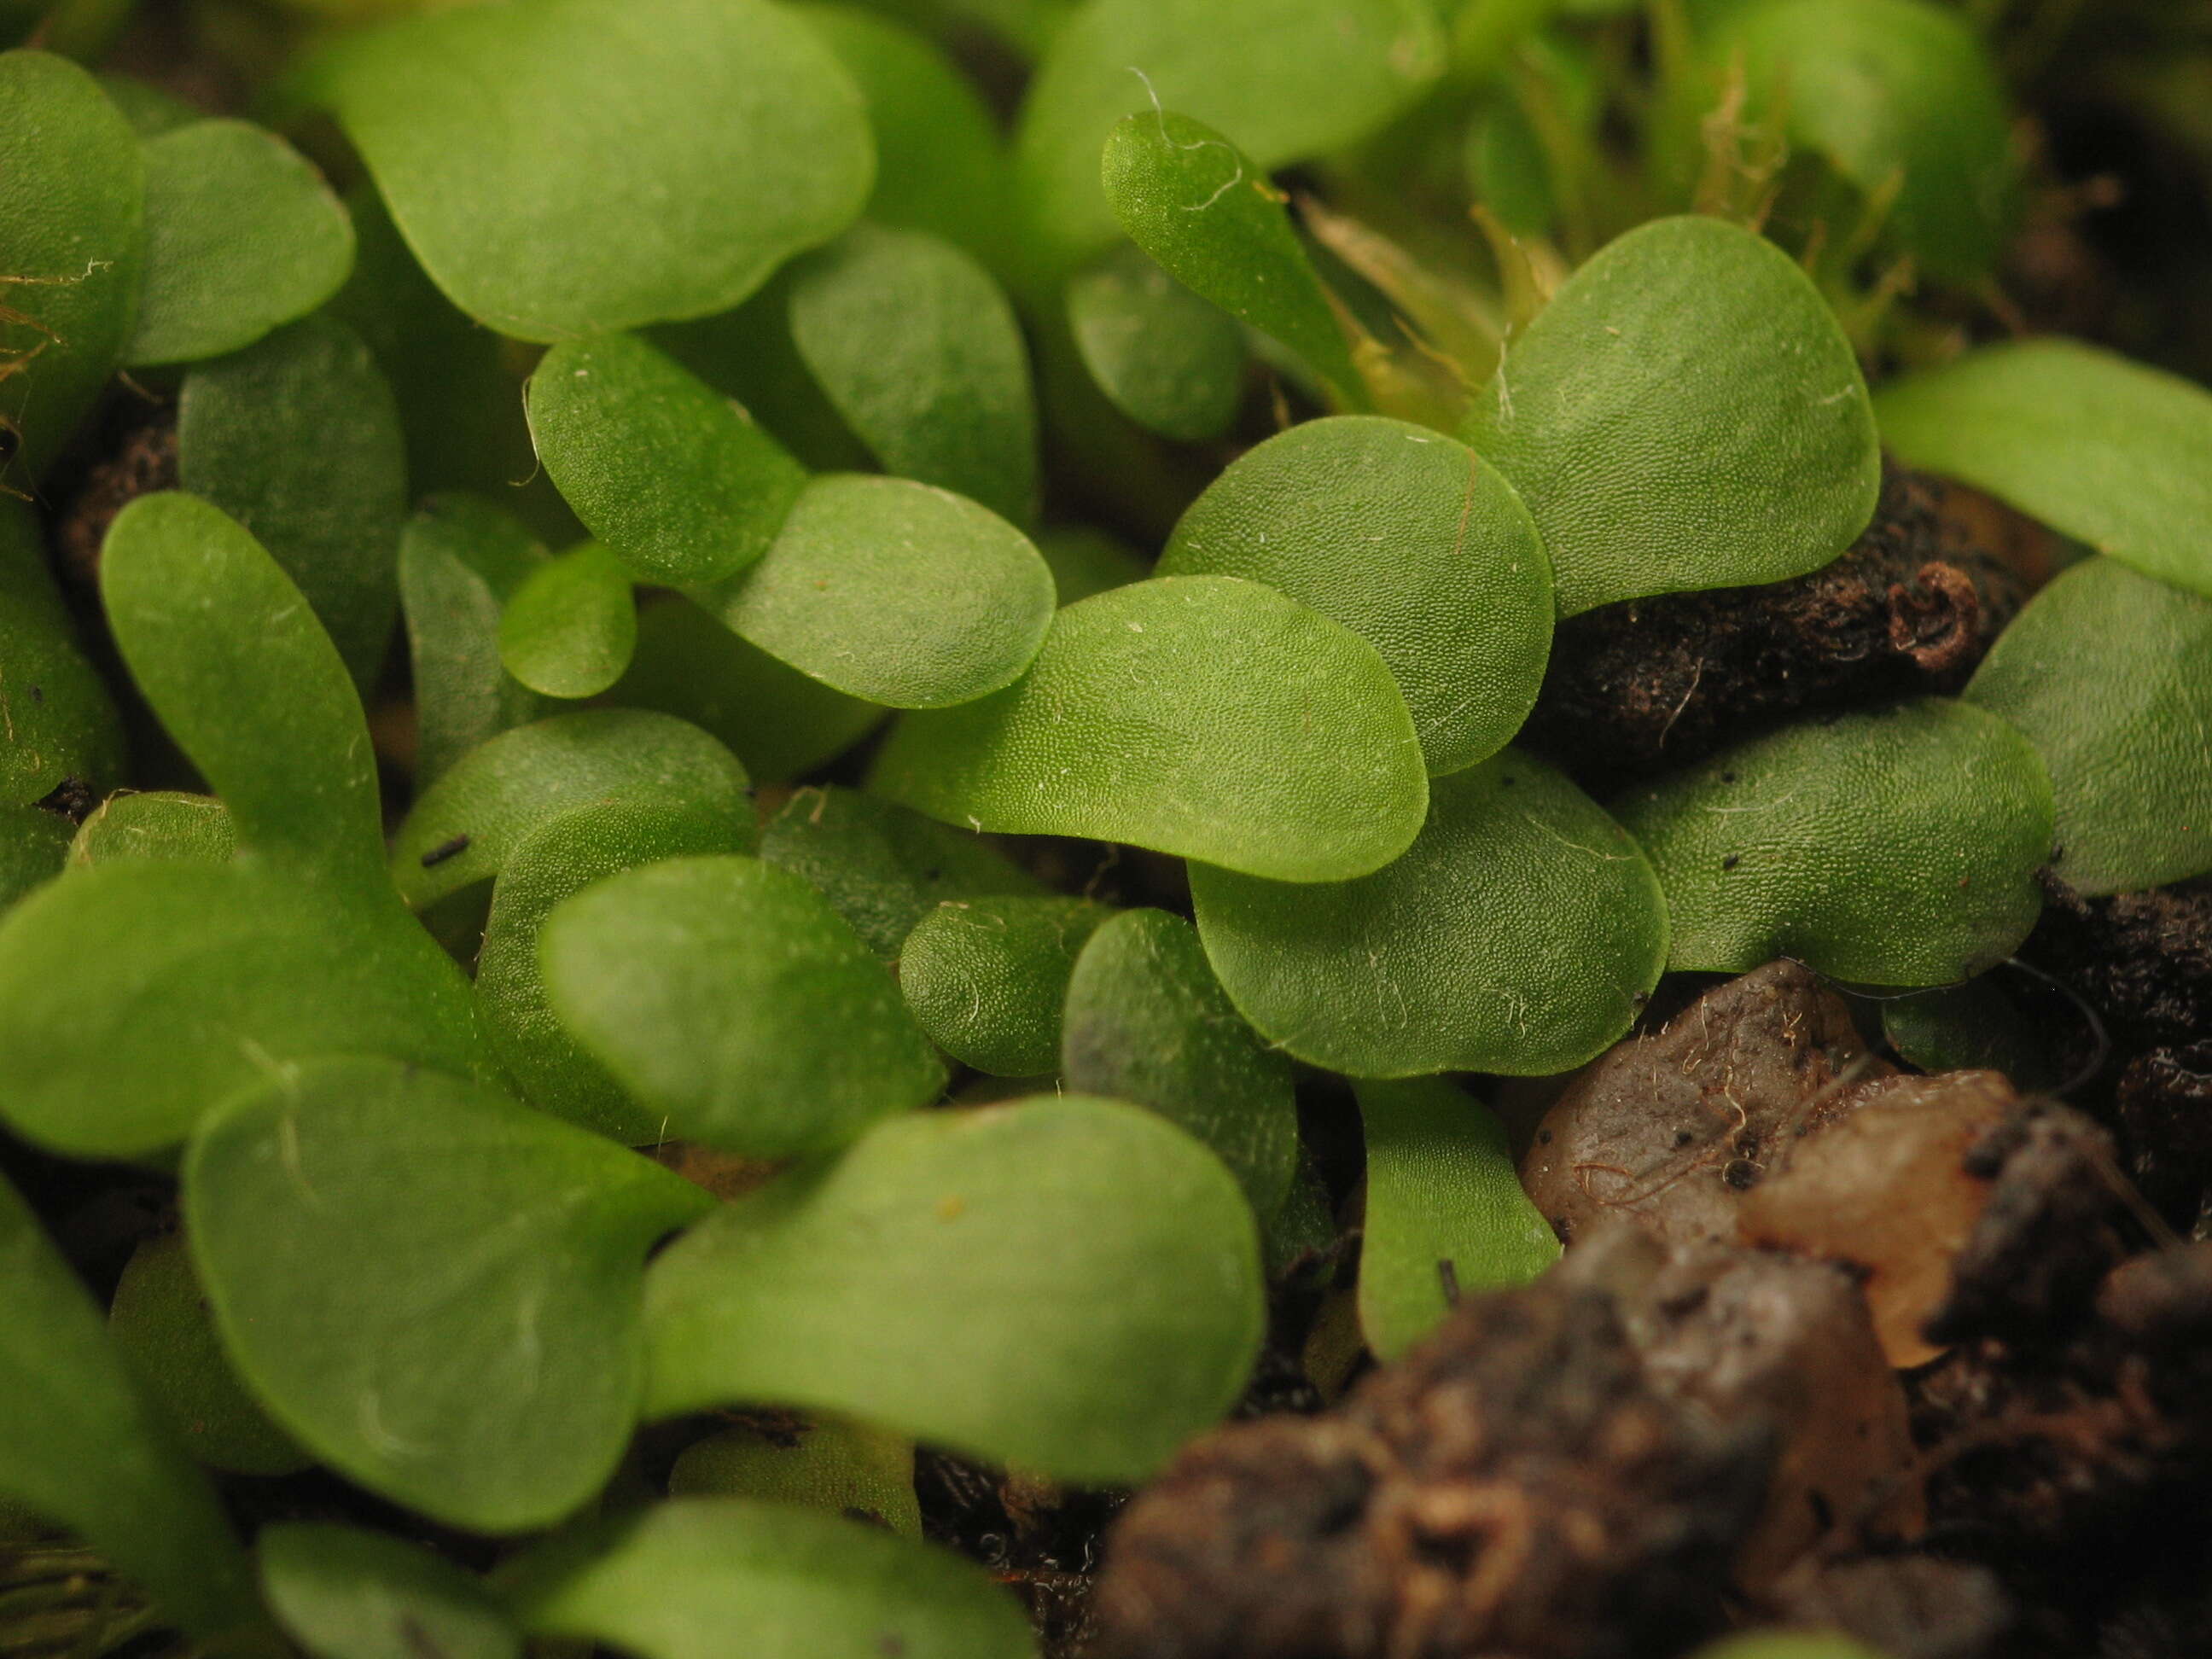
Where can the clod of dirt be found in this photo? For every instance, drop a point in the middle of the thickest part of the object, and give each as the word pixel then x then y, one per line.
pixel 2143 960
pixel 1909 1607
pixel 1908 611
pixel 2163 1105
pixel 1035 1537
pixel 136 455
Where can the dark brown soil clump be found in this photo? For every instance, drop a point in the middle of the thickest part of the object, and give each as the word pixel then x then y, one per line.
pixel 135 455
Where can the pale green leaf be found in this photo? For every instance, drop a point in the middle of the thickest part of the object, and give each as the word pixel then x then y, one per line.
pixel 987 977
pixel 827 1462
pixel 342 1593
pixel 160 825
pixel 57 721
pixel 1172 363
pixel 570 628
pixel 461 559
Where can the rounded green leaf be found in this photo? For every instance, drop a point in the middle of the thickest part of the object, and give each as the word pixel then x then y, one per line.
pixel 241 235
pixel 1146 1021
pixel 160 1323
pixel 1895 94
pixel 1202 715
pixel 894 591
pixel 2109 451
pixel 342 1593
pixel 1072 1284
pixel 1520 934
pixel 986 978
pixel 79 1446
pixel 2109 674
pixel 1445 1213
pixel 848 1469
pixel 1086 561
pixel 72 212
pixel 431 1287
pixel 575 166
pixel 730 999
pixel 160 825
pixel 469 823
pixel 1890 848
pixel 918 351
pixel 136 995
pixel 570 628
pixel 1686 413
pixel 777 721
pixel 677 1580
pixel 1410 540
pixel 1172 363
pixel 675 479
pixel 34 847
pixel 1206 213
pixel 297 437
pixel 57 721
pixel 460 560
pixel 1972 1027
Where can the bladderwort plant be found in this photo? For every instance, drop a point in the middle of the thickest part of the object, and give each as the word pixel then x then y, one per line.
pixel 713 838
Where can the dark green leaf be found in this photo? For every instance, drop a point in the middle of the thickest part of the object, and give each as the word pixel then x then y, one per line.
pixel 987 978
pixel 57 719
pixel 342 1593
pixel 1971 1027
pixel 34 849
pixel 460 560
pixel 1172 363
pixel 569 628
pixel 1086 561
pixel 847 1468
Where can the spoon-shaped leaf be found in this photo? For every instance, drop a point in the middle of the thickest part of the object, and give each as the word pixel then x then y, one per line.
pixel 1206 213
pixel 1146 1021
pixel 1069 1284
pixel 460 560
pixel 1410 540
pixel 2109 451
pixel 71 210
pixel 1892 849
pixel 1520 934
pixel 671 475
pixel 1686 413
pixel 576 166
pixel 79 1446
pixel 431 1287
pixel 342 1593
pixel 987 978
pixel 1172 363
pixel 570 627
pixel 848 1469
pixel 729 997
pixel 919 352
pixel 894 591
pixel 1202 715
pixel 1445 1212
pixel 57 719
pixel 297 438
pixel 469 822
pixel 242 674
pixel 160 825
pixel 2108 675
pixel 677 1581
pixel 241 234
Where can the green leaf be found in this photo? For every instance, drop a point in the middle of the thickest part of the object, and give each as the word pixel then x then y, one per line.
pixel 675 479
pixel 150 111
pixel 1070 1283
pixel 79 1447
pixel 134 996
pixel 894 591
pixel 569 628
pixel 1891 848
pixel 227 651
pixel 1201 207
pixel 297 438
pixel 460 560
pixel 1086 561
pixel 2109 674
pixel 1445 1213
pixel 72 212
pixel 676 1582
pixel 986 978
pixel 1971 1027
pixel 1895 94
pixel 919 352
pixel 2106 451
pixel 1684 414
pixel 1410 540
pixel 465 826
pixel 1200 715
pixel 1172 363
pixel 576 166
pixel 342 1593
pixel 34 849
pixel 159 1324
pixel 241 235
pixel 432 1288
pixel 1290 78
pixel 562 857
pixel 882 867
pixel 778 721
pixel 161 824
pixel 1146 1021
pixel 1789 1644
pixel 848 1469
pixel 1520 934
pixel 57 719
pixel 729 997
